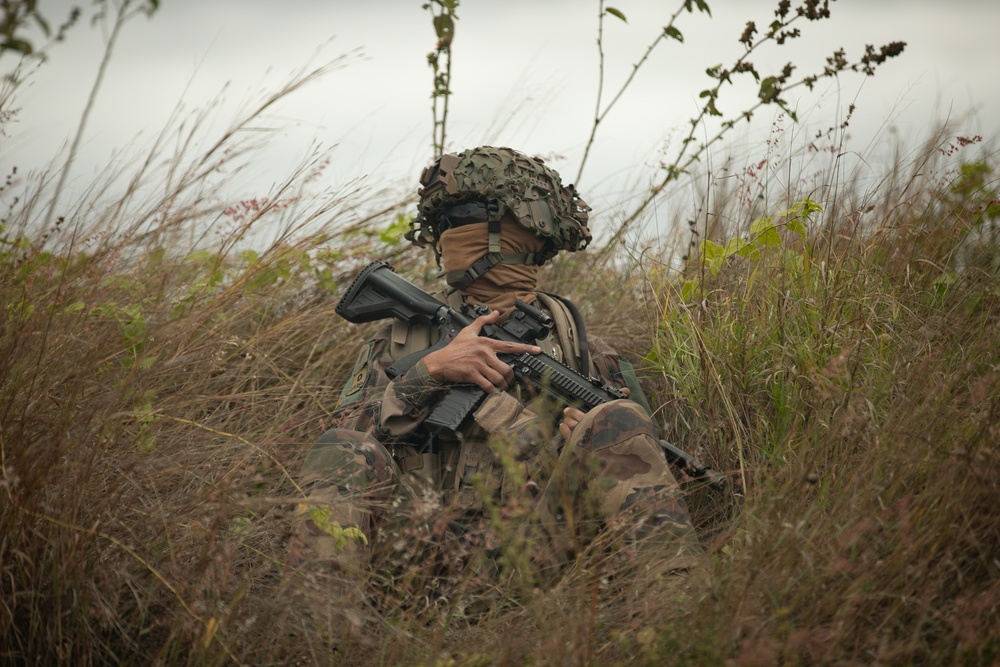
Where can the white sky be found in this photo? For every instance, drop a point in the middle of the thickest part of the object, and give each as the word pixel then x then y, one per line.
pixel 525 75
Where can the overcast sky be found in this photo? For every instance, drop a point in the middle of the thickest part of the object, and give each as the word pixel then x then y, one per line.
pixel 525 75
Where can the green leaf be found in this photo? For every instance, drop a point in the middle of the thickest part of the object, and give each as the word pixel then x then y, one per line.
pixel 321 517
pixel 262 278
pixel 767 92
pixel 713 255
pixel 796 226
pixel 202 257
pixel 671 31
pixel 444 27
pixel 354 533
pixel 147 362
pixel 156 256
pixel 764 232
pixel 809 207
pixel 689 289
pixel 326 280
pixel 702 6
pixel 738 246
pixel 711 250
pixel 18 45
pixel 797 215
pixel 134 329
pixel 240 525
pixel 283 267
pixel 395 232
pixel 617 13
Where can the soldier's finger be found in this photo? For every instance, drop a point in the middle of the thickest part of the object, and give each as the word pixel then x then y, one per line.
pixel 492 372
pixel 497 365
pixel 483 383
pixel 510 347
pixel 501 376
pixel 476 326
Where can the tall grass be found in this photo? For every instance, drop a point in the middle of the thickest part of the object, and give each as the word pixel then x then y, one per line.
pixel 163 371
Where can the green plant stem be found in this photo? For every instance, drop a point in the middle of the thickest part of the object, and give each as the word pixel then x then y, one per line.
pixel 600 115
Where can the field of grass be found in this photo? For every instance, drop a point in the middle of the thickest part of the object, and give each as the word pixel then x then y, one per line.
pixel 166 360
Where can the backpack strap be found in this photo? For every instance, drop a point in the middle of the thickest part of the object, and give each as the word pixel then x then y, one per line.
pixel 570 331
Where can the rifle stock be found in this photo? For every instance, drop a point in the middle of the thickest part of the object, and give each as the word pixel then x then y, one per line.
pixel 379 293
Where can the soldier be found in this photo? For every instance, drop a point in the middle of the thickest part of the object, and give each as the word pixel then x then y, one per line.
pixel 493 216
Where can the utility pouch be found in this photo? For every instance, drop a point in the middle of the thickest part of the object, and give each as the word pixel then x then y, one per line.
pixel 424 470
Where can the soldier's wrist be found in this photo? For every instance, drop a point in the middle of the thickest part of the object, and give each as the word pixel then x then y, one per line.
pixel 417 387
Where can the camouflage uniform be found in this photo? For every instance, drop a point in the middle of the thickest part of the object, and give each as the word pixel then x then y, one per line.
pixel 509 460
pixel 611 474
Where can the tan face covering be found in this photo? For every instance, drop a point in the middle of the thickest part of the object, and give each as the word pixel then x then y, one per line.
pixel 502 284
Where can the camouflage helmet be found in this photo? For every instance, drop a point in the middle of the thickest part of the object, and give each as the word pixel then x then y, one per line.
pixel 486 183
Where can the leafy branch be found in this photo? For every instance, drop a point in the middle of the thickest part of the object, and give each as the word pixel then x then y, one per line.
pixel 444 17
pixel 20 14
pixel 669 31
pixel 19 17
pixel 772 86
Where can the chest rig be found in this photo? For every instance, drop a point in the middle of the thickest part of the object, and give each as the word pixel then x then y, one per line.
pixel 453 461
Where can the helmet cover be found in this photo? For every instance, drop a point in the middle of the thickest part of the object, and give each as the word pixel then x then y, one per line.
pixel 507 181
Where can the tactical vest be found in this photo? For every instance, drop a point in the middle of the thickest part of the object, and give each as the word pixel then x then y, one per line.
pixel 452 462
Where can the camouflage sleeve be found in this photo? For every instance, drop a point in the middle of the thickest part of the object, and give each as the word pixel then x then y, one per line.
pixel 386 409
pixel 359 404
pixel 407 401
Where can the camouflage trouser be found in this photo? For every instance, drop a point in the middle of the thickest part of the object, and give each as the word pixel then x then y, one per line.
pixel 611 475
pixel 347 477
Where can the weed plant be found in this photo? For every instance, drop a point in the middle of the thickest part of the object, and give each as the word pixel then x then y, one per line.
pixel 829 342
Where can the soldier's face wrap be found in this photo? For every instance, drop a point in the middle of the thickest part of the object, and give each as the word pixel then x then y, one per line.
pixel 502 284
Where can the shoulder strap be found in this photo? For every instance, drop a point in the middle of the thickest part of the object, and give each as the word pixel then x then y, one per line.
pixel 570 329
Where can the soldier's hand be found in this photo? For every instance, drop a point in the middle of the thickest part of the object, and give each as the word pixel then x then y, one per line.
pixel 472 358
pixel 570 418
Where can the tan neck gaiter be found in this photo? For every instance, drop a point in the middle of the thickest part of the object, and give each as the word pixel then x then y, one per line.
pixel 502 284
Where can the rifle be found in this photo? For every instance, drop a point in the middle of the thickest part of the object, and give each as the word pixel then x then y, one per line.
pixel 378 293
